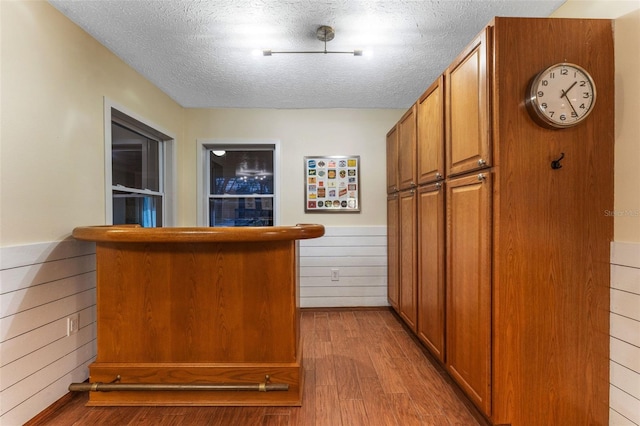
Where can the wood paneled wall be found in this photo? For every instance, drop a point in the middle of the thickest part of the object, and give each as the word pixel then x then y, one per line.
pixel 360 255
pixel 624 389
pixel 40 286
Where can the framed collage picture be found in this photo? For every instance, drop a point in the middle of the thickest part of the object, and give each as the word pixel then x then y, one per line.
pixel 332 184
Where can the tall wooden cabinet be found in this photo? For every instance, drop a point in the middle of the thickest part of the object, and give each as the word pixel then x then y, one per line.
pixel 393 235
pixel 525 296
pixel 468 260
pixel 431 218
pixel 407 245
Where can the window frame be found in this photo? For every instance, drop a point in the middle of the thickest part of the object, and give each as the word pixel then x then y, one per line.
pixel 167 153
pixel 206 145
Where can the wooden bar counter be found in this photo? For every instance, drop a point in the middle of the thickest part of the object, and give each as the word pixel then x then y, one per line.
pixel 185 306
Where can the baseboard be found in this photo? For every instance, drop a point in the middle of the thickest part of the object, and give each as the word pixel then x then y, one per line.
pixel 346 308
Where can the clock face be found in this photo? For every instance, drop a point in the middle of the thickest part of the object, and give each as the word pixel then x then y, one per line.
pixel 561 96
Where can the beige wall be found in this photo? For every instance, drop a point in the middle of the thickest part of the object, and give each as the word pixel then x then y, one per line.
pixel 54 77
pixel 627 133
pixel 301 133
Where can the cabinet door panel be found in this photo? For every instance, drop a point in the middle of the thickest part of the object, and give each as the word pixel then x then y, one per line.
pixel 431 292
pixel 408 255
pixel 467 113
pixel 430 133
pixel 407 149
pixel 393 239
pixel 469 286
pixel 392 160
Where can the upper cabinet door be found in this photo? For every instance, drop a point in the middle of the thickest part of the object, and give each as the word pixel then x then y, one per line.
pixel 430 133
pixel 467 112
pixel 407 149
pixel 392 160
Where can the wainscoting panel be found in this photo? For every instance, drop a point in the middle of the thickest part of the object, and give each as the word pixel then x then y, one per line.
pixel 41 285
pixel 624 393
pixel 359 254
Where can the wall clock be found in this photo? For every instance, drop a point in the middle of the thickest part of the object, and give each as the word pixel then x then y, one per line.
pixel 561 96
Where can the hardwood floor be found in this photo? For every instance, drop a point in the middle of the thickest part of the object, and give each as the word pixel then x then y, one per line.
pixel 361 368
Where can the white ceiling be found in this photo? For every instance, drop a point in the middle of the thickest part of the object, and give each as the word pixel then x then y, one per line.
pixel 202 53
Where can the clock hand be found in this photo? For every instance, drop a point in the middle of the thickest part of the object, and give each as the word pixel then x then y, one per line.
pixel 564 94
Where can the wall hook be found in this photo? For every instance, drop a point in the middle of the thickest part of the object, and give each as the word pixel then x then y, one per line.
pixel 555 164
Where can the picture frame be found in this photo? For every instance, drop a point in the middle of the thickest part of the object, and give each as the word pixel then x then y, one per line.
pixel 332 184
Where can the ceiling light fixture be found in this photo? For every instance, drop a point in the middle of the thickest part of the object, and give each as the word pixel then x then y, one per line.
pixel 324 33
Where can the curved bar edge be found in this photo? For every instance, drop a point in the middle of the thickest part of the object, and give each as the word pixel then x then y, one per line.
pixel 137 234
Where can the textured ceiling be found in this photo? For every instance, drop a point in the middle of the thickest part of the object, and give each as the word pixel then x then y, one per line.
pixel 202 53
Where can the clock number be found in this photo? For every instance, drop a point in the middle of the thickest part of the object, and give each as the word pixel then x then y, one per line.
pixel 564 71
pixel 582 106
pixel 540 93
pixel 574 114
pixel 544 105
pixel 563 117
pixel 583 83
pixel 552 75
pixel 545 82
pixel 551 113
pixel 585 95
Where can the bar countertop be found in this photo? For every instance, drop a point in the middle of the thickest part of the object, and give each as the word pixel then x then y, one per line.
pixel 137 234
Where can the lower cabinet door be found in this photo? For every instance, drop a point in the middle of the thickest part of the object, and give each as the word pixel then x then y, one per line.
pixel 408 256
pixel 393 238
pixel 431 294
pixel 468 278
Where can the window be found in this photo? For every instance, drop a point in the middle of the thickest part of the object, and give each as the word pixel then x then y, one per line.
pixel 241 188
pixel 239 185
pixel 137 155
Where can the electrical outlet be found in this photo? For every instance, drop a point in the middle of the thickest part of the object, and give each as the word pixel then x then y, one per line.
pixel 73 324
pixel 335 275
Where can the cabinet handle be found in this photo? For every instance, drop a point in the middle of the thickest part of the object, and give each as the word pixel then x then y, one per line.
pixel 438 176
pixel 413 184
pixel 438 185
pixel 482 177
pixel 482 163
